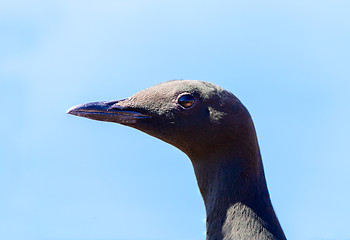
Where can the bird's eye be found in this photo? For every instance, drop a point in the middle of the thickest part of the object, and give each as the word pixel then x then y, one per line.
pixel 186 100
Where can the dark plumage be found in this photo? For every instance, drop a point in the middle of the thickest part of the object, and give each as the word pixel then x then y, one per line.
pixel 215 130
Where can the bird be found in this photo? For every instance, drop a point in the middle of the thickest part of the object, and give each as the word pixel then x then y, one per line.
pixel 215 130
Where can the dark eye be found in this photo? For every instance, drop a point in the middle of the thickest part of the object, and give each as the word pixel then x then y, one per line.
pixel 186 101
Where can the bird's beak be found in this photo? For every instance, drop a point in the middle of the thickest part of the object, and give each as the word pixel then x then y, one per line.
pixel 107 111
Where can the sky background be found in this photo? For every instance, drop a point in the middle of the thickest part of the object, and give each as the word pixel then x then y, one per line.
pixel 69 178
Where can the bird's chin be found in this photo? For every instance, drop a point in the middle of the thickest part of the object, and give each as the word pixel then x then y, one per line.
pixel 104 111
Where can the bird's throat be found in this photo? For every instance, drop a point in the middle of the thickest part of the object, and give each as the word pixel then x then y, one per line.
pixel 237 204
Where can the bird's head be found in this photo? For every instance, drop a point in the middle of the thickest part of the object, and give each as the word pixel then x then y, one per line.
pixel 196 117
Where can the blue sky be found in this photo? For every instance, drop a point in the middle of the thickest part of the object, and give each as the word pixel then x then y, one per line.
pixel 63 177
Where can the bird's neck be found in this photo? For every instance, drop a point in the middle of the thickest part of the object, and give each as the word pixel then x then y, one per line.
pixel 237 201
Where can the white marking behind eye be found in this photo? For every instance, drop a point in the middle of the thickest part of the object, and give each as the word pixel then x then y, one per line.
pixel 215 115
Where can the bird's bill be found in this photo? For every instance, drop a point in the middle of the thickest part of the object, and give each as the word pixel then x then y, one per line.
pixel 107 111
